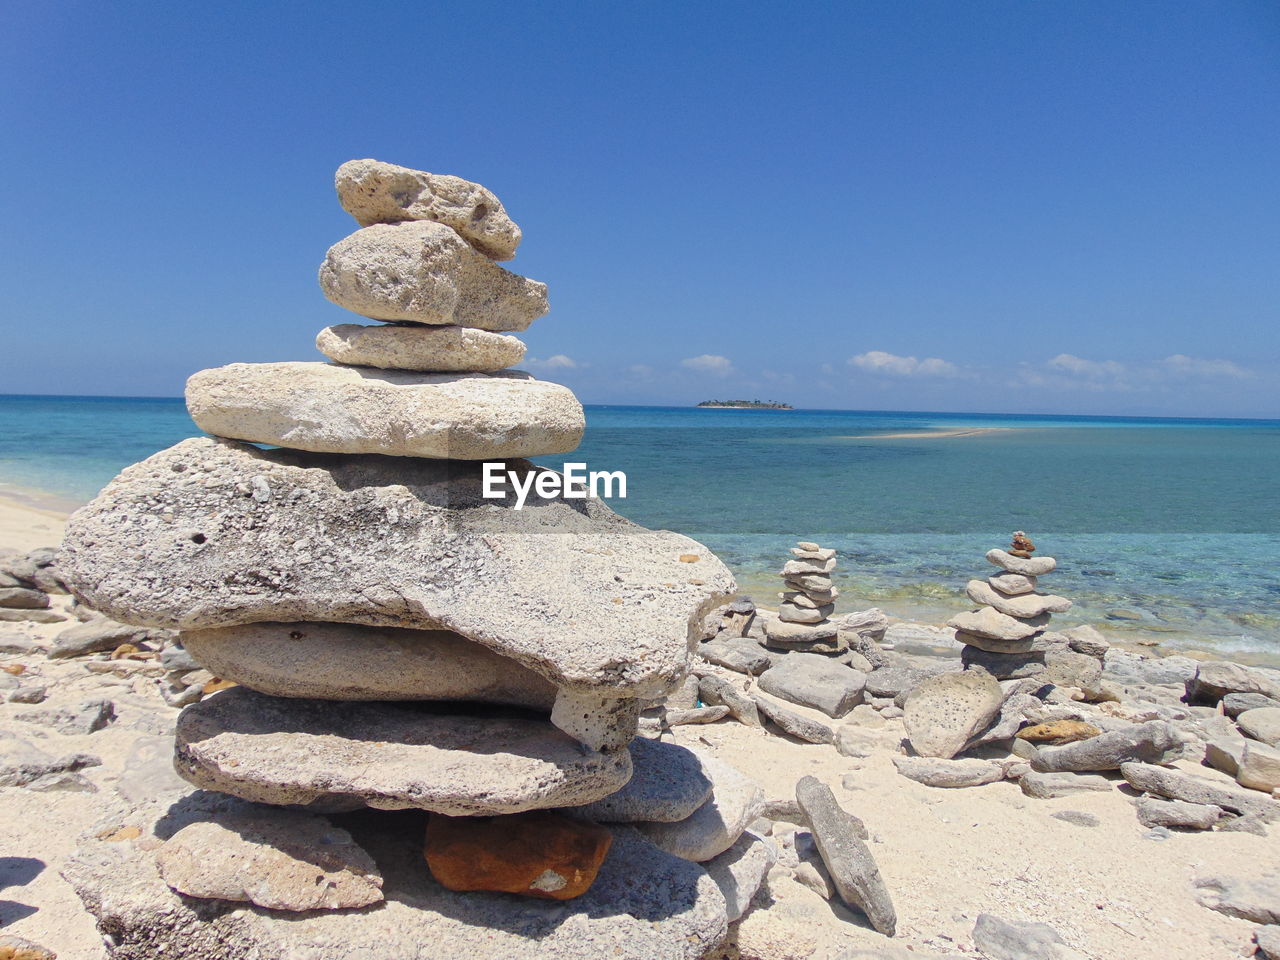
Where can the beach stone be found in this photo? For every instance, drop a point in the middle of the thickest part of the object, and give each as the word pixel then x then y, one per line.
pixel 805 568
pixel 175 658
pixel 278 859
pixel 711 829
pixel 1268 940
pixel 376 192
pixel 892 681
pixel 17 615
pixel 328 408
pixel 339 661
pixel 811 551
pixel 1066 668
pixel 791 613
pixel 1234 704
pixel 676 718
pixel 999 939
pixel 1012 584
pixel 742 655
pixel 1259 766
pixel 84 718
pixel 1255 898
pixel 1261 723
pixel 1153 812
pixel 24 765
pixel 667 784
pixel 16 948
pixel 1214 679
pixel 1003 666
pixel 944 712
pixel 1023 607
pixel 994 625
pixel 423 272
pixel 567 588
pixel 848 859
pixel 1027 566
pixel 807 600
pixel 1076 817
pixel 814 681
pixel 644 904
pixel 1036 644
pixel 1049 786
pixel 1127 667
pixel 538 854
pixel 870 624
pixel 418 347
pixel 1085 639
pixel 17 643
pixel 740 871
pixel 718 691
pixel 1059 732
pixel 1156 741
pixel 23 598
pixel 388 756
pixel 30 694
pixel 936 772
pixel 1225 754
pixel 815 583
pixel 802 728
pixel 1177 785
pixel 1009 720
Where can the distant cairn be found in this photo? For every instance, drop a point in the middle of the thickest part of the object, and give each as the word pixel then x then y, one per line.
pixel 808 601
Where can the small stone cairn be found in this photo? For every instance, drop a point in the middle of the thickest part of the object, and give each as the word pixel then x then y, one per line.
pixel 398 642
pixel 803 621
pixel 1007 634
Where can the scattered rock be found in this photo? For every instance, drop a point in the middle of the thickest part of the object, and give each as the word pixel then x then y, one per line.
pixel 98 635
pixel 1059 732
pixel 792 723
pixel 1268 940
pixel 1249 898
pixel 23 765
pixel 1049 786
pixel 742 655
pixel 1261 723
pixel 814 681
pixel 944 712
pixel 740 870
pixel 935 772
pixel 1154 742
pixel 1234 704
pixel 1259 766
pixel 718 691
pixel 88 717
pixel 1177 785
pixel 667 784
pixel 16 948
pixel 1176 813
pixel 1076 817
pixel 1214 679
pixel 1005 940
pixel 712 829
pixel 676 718
pixel 1225 754
pixel 22 598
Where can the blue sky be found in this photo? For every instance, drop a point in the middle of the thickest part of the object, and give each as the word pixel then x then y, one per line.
pixel 981 206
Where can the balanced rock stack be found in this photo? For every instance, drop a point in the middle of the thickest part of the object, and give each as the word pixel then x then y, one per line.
pixel 1007 634
pixel 803 621
pixel 403 643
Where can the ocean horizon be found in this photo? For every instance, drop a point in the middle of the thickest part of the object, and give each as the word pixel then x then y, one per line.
pixel 1166 529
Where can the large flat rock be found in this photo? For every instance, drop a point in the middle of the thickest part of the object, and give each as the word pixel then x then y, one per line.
pixel 424 272
pixel 329 408
pixel 213 533
pixel 643 905
pixel 343 756
pixel 347 661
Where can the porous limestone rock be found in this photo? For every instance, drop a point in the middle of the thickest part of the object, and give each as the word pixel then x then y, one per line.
pixel 740 871
pixel 403 346
pixel 214 533
pixel 1025 607
pixel 802 728
pixel 711 829
pixel 278 859
pixel 1027 566
pixel 1259 767
pixel 346 661
pixel 344 756
pixel 377 192
pixel 667 784
pixel 935 772
pixel 944 712
pixel 328 408
pixel 424 272
pixel 991 623
pixel 814 681
pixel 1176 813
pixel 1261 723
pixel 1177 785
pixel 1012 584
pixel 1155 741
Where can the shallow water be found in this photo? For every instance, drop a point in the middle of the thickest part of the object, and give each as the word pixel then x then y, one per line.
pixel 1174 522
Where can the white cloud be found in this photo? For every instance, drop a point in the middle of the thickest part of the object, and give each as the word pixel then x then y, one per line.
pixel 1199 367
pixel 642 370
pixel 1067 371
pixel 1087 368
pixel 556 362
pixel 709 363
pixel 878 361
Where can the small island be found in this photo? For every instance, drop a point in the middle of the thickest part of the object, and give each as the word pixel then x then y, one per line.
pixel 744 405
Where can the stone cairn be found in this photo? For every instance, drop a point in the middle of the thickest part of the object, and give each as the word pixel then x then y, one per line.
pixel 399 642
pixel 1007 634
pixel 803 621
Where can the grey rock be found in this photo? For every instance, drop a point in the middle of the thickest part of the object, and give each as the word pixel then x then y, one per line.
pixel 84 718
pixel 30 694
pixel 936 772
pixel 870 624
pixel 740 871
pixel 1027 566
pixel 1087 640
pixel 818 638
pixel 1010 940
pixel 714 827
pixel 1012 584
pixel 644 904
pixel 1035 644
pixel 174 657
pixel 1154 742
pixel 377 192
pixel 423 272
pixel 742 655
pixel 1268 940
pixel 667 784
pixel 814 681
pixel 943 713
pixel 567 588
pixel 17 643
pixel 62 783
pixel 995 625
pixel 1127 667
pixel 1259 767
pixel 1024 607
pixel 1008 722
pixel 1251 823
pixel 1049 786
pixel 1214 679
pixel 718 691
pixel 1255 898
pixel 1177 785
pixel 802 728
pixel 676 718
pixel 848 859
pixel 339 661
pixel 1153 812
pixel 389 756
pixel 1225 754
pixel 1076 817
pixel 100 634
pixel 23 598
pixel 1003 666
pixel 1261 723
pixel 891 681
pixel 22 764
pixel 795 613
pixel 1234 704
pixel 1066 668
pixel 18 567
pixel 278 859
pixel 9 615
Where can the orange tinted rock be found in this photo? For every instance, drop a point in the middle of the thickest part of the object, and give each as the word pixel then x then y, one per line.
pixel 1022 545
pixel 216 684
pixel 537 854
pixel 1059 732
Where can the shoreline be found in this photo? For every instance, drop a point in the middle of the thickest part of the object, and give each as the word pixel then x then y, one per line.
pixel 30 519
pixel 935 434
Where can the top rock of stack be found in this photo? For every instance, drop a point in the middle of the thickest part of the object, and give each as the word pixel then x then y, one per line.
pixel 377 192
pixel 1021 546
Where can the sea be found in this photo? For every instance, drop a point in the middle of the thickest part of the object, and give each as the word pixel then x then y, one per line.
pixel 1166 531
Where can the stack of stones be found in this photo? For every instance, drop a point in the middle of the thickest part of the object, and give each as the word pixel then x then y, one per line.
pixel 400 642
pixel 803 621
pixel 1007 634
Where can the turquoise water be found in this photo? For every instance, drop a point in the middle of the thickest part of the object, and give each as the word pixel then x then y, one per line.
pixel 1174 522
